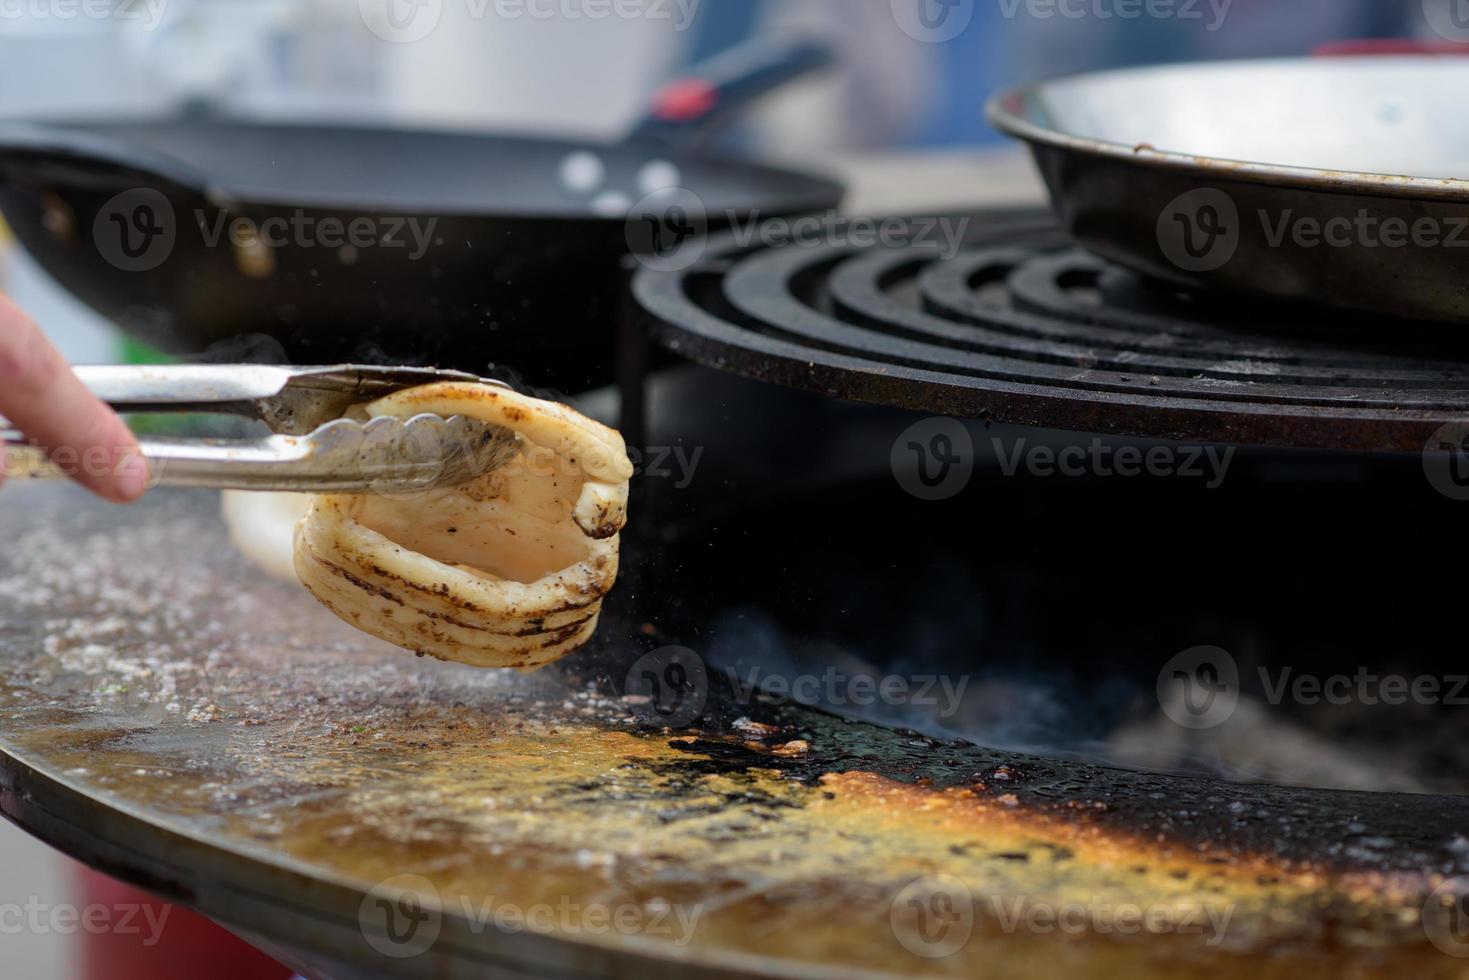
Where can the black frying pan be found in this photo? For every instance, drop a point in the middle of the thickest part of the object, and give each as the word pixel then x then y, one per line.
pixel 468 249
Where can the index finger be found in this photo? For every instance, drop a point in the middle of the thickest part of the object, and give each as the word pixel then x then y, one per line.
pixel 42 398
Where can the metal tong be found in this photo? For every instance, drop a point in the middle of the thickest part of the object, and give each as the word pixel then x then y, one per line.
pixel 312 448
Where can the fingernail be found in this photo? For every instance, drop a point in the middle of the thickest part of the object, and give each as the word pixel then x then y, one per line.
pixel 131 477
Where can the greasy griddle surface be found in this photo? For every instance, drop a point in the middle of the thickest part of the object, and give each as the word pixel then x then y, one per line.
pixel 146 667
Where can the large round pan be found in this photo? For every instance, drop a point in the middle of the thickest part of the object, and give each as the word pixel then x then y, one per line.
pixel 1335 181
pixel 468 249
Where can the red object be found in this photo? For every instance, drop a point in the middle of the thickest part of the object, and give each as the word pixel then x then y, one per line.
pixel 685 100
pixel 1381 46
pixel 160 941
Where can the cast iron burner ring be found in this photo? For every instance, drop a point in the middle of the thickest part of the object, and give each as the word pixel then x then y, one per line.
pixel 1021 327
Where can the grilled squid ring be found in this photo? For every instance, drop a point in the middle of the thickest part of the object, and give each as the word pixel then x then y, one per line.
pixel 508 570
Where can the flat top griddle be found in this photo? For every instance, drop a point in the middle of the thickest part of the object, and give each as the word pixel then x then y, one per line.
pixel 175 719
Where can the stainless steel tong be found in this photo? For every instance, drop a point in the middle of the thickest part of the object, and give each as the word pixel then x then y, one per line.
pixel 312 448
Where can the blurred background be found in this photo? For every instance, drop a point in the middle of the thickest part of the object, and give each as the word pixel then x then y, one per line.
pixel 913 79
pixel 914 74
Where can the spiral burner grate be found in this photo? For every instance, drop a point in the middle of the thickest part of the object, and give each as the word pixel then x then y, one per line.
pixel 1020 326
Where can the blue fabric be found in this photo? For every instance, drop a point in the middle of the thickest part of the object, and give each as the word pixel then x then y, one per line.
pixel 718 24
pixel 973 67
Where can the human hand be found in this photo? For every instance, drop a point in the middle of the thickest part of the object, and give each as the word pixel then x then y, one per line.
pixel 41 397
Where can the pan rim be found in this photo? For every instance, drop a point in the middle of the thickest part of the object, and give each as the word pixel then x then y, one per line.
pixel 1005 112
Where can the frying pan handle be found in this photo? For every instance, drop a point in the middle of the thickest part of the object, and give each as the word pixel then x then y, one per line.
pixel 41 156
pixel 685 112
